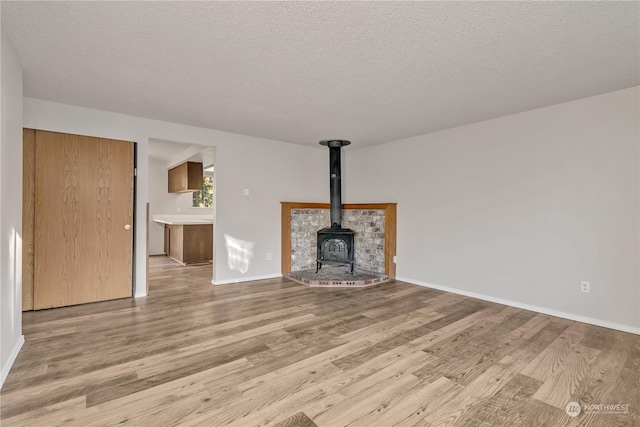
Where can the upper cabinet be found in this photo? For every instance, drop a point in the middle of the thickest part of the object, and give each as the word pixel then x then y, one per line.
pixel 185 177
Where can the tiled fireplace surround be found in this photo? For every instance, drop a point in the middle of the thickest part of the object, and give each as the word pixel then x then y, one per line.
pixel 374 224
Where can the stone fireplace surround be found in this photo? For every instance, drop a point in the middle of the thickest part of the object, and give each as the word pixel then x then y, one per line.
pixel 374 224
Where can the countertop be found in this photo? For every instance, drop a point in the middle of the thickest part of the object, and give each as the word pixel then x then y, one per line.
pixel 183 219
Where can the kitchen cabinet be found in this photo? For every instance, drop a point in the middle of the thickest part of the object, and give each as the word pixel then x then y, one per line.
pixel 189 244
pixel 185 177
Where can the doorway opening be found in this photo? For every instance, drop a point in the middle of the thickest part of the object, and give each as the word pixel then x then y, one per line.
pixel 181 217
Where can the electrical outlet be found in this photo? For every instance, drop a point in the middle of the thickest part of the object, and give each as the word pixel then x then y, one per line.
pixel 395 259
pixel 269 256
pixel 246 191
pixel 178 210
pixel 585 287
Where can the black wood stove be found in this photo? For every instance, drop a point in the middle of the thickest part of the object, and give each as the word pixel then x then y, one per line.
pixel 335 244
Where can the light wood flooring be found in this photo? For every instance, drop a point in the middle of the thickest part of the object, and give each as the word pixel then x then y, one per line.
pixel 277 353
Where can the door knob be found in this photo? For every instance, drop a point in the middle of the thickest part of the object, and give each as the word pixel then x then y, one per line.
pixel 127 227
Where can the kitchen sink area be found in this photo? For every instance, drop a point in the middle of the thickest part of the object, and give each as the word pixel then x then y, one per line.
pixel 183 219
pixel 188 239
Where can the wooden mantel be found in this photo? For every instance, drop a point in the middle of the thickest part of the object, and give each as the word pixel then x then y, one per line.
pixel 389 230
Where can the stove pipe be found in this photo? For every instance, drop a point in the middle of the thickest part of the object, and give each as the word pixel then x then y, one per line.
pixel 335 180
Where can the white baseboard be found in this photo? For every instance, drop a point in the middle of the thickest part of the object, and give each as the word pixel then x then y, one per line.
pixel 141 294
pixel 12 358
pixel 543 310
pixel 245 279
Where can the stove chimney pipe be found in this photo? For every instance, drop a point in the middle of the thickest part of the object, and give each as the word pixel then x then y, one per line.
pixel 335 179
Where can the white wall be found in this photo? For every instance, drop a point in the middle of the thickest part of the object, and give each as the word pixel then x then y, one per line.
pixel 10 207
pixel 521 208
pixel 158 204
pixel 161 202
pixel 273 171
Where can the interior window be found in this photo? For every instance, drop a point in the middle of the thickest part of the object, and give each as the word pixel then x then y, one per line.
pixel 204 198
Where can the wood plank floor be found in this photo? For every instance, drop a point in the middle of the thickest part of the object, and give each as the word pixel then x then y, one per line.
pixel 278 353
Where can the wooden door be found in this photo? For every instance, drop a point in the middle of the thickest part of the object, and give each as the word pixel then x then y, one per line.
pixel 83 219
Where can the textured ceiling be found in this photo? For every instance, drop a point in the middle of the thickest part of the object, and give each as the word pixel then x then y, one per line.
pixel 300 72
